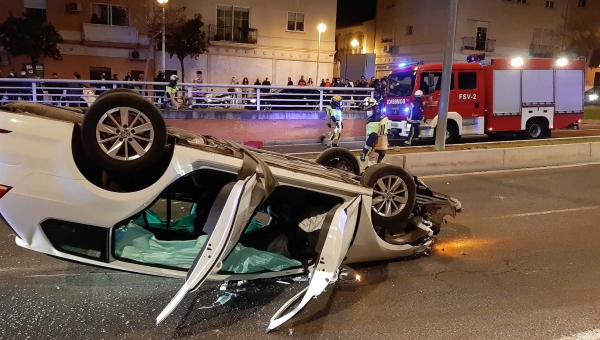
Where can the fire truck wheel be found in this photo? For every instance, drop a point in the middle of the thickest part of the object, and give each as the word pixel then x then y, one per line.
pixel 452 135
pixel 536 129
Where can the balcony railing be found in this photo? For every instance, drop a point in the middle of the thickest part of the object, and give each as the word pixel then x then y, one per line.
pixel 240 35
pixel 543 51
pixel 110 34
pixel 473 44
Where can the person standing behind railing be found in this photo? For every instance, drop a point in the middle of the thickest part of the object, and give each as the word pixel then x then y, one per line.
pixel 159 90
pixel 290 82
pixel 141 87
pixel 245 90
pixel 3 96
pixel 128 77
pixel 101 88
pixel 75 92
pixel 323 83
pixel 310 82
pixel 301 82
pixel 54 91
pixel 25 90
pixel 266 82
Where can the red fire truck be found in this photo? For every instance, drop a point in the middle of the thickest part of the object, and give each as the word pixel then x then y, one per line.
pixel 529 96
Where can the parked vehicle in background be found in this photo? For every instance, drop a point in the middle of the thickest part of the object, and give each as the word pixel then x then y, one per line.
pixel 287 99
pixel 528 96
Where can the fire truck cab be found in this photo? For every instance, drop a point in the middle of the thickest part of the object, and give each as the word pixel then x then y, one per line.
pixel 529 96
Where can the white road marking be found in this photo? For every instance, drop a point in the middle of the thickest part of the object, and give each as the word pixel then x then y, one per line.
pixel 547 212
pixel 512 170
pixel 594 334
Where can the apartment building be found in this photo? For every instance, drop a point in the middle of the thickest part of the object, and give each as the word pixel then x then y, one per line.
pixel 257 39
pixel 102 36
pixel 414 30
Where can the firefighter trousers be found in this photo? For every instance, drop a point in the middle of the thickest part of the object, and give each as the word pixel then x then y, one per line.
pixel 415 129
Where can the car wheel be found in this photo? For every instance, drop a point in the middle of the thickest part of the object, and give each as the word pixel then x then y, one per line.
pixel 124 133
pixel 339 158
pixel 394 194
pixel 535 129
pixel 117 90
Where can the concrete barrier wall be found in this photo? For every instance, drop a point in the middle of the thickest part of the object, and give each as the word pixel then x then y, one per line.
pixel 263 125
pixel 449 162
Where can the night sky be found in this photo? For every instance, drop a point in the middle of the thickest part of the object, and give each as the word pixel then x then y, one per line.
pixel 352 12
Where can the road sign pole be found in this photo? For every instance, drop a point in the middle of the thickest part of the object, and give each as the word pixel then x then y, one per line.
pixel 440 140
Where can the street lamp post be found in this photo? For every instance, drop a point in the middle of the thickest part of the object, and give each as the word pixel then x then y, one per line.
pixel 354 44
pixel 164 54
pixel 321 28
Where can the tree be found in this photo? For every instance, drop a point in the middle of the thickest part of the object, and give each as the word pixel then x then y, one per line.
pixel 174 18
pixel 582 37
pixel 187 41
pixel 29 37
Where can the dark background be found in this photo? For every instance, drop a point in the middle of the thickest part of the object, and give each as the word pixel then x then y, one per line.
pixel 352 12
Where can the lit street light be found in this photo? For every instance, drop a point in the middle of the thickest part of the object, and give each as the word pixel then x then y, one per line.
pixel 321 28
pixel 164 54
pixel 354 43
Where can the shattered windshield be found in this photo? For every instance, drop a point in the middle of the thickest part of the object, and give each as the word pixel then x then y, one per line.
pixel 401 84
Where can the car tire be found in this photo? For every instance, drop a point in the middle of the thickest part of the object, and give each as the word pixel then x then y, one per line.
pixel 101 130
pixel 536 129
pixel 339 158
pixel 117 90
pixel 391 184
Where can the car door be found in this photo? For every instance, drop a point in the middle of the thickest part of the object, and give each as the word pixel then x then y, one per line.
pixel 228 217
pixel 334 241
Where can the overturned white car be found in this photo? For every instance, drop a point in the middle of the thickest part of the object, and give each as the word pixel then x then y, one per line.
pixel 116 188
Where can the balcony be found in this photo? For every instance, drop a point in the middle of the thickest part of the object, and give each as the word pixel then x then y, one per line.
pixel 473 44
pixel 96 34
pixel 543 51
pixel 232 34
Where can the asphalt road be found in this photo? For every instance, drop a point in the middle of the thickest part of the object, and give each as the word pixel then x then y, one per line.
pixel 316 147
pixel 521 262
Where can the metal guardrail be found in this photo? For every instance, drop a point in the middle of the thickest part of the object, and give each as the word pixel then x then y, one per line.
pixel 82 93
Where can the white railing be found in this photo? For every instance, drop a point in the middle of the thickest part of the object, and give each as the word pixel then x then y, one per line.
pixel 82 93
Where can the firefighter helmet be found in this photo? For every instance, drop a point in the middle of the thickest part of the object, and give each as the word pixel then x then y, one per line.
pixel 369 104
pixel 336 102
pixel 174 78
pixel 419 94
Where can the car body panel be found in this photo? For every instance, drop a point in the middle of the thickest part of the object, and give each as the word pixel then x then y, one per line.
pixel 334 248
pixel 228 225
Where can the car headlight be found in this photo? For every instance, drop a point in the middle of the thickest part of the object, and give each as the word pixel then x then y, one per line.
pixel 253 101
pixel 593 97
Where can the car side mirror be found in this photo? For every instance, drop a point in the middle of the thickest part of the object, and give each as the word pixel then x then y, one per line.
pixel 431 83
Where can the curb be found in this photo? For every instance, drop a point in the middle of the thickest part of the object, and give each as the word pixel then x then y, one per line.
pixel 466 161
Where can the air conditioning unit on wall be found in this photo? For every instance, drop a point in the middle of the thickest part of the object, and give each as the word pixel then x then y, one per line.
pixel 387 48
pixel 135 55
pixel 74 7
pixel 3 58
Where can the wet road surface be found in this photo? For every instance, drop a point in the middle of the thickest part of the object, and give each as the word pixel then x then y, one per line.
pixel 521 262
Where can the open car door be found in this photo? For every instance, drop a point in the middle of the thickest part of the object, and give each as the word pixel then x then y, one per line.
pixel 228 217
pixel 334 241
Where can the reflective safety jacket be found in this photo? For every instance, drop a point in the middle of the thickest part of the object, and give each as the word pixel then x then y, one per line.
pixel 377 132
pixel 334 115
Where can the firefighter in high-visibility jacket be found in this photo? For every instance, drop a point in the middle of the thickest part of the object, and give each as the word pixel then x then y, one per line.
pixel 415 117
pixel 377 132
pixel 334 122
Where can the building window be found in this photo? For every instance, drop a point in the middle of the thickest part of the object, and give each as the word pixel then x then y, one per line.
pixel 295 22
pixel 550 4
pixel 409 30
pixel 39 69
pixel 467 80
pixel 517 1
pixel 582 3
pixel 105 14
pixel 232 22
pixel 36 10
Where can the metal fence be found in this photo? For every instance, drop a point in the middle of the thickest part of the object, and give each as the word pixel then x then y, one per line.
pixel 82 93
